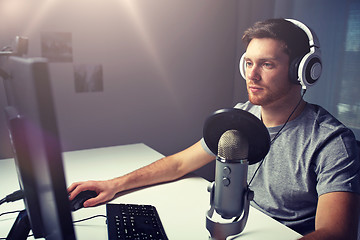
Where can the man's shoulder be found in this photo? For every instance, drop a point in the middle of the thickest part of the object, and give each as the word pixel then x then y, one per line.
pixel 324 119
pixel 325 127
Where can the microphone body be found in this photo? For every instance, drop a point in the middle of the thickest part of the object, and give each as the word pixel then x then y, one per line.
pixel 230 187
pixel 231 174
pixel 229 194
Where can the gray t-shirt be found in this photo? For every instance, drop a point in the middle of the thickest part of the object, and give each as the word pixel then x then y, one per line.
pixel 314 154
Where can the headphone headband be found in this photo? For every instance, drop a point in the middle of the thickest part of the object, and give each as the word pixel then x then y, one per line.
pixel 313 40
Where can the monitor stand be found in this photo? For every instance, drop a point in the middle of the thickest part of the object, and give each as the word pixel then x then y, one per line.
pixel 21 227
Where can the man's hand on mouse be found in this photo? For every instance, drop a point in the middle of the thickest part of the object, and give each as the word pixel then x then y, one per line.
pixel 104 189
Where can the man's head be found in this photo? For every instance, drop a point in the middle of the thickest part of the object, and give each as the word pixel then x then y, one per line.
pixel 295 40
pixel 271 46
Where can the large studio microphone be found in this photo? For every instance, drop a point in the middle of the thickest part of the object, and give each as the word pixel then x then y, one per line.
pixel 238 139
pixel 231 174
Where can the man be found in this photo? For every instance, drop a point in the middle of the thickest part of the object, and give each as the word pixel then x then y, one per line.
pixel 310 178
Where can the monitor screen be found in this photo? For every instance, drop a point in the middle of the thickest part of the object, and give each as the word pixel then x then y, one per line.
pixel 36 145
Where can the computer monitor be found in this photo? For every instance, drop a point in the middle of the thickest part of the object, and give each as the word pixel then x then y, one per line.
pixel 35 140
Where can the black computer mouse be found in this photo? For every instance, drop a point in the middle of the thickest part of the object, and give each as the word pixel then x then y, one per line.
pixel 78 201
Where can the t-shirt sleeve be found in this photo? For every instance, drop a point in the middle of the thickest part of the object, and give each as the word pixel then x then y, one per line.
pixel 338 166
pixel 205 147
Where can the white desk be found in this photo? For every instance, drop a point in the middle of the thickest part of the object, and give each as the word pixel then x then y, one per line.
pixel 181 204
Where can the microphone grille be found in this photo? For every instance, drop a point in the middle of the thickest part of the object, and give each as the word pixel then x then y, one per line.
pixel 233 145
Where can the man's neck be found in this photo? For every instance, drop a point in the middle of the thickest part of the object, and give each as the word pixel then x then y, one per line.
pixel 273 116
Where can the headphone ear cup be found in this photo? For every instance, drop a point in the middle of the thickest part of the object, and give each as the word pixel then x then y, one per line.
pixel 242 66
pixel 293 71
pixel 311 68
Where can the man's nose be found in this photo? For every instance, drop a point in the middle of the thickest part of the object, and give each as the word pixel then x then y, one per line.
pixel 252 73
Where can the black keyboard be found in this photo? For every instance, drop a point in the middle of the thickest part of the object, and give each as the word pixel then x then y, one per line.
pixel 135 222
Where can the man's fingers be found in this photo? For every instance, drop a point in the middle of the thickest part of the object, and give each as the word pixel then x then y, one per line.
pixel 75 189
pixel 93 201
pixel 73 186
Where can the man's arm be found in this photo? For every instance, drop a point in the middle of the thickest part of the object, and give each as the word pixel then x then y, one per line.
pixel 166 169
pixel 337 217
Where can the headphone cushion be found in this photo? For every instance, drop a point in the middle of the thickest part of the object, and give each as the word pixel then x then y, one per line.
pixel 242 66
pixel 293 70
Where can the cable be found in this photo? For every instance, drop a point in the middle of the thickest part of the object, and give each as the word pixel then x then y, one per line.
pixel 15 196
pixel 278 133
pixel 5 213
pixel 85 219
pixel 287 120
pixel 11 212
pixel 77 221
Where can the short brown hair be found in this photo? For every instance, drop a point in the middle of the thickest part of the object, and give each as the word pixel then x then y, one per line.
pixel 296 42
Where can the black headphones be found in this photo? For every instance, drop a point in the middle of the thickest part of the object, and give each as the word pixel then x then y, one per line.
pixel 305 70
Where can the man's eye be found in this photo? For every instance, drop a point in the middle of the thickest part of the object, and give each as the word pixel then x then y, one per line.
pixel 248 64
pixel 268 65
